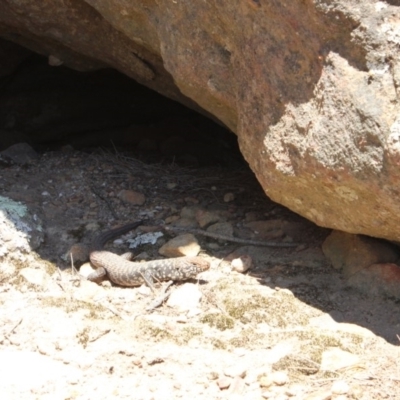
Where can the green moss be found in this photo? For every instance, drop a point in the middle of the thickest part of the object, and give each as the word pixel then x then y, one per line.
pixel 218 320
pixel 298 365
pixel 249 338
pixel 238 309
pixel 48 266
pixel 94 311
pixel 83 337
pixel 189 333
pixel 218 344
pixel 308 360
pixel 148 330
pixel 279 310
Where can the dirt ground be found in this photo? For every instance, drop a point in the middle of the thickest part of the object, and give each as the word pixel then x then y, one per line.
pixel 288 328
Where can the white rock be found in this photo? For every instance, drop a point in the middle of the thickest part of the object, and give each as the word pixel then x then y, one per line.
pixel 144 290
pixel 36 277
pixel 88 290
pixel 35 369
pixel 340 387
pixel 280 350
pixel 242 263
pixel 280 378
pixel 335 358
pixel 186 297
pixel 325 321
pixel 86 269
pixel 355 329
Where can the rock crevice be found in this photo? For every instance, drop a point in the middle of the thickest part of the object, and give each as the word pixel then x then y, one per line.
pixel 311 88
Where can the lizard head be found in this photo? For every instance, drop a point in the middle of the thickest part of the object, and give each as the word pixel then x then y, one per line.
pixel 195 265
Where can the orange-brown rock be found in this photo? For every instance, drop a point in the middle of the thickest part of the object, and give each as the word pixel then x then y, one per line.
pixel 310 87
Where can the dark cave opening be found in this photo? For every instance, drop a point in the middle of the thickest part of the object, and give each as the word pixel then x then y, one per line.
pixel 53 108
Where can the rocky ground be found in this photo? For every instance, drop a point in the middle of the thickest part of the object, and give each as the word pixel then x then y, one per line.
pixel 289 327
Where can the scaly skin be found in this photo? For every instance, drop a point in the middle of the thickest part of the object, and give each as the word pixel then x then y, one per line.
pixel 128 273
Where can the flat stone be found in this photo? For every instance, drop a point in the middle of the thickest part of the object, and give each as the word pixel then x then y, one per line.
pixel 325 321
pixel 352 253
pixel 205 217
pixel 224 382
pixel 182 245
pixel 221 228
pixel 269 229
pixel 188 213
pixel 132 197
pixel 20 153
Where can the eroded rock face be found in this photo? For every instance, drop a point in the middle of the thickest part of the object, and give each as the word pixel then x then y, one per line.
pixel 311 88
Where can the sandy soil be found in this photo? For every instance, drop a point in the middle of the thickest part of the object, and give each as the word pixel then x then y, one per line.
pixel 288 328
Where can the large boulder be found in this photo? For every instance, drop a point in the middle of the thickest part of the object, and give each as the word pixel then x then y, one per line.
pixel 310 87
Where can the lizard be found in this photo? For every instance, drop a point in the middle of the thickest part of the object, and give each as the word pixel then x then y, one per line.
pixel 121 271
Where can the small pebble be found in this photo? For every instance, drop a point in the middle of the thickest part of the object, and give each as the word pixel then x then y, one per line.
pixel 132 197
pixel 228 197
pixel 242 263
pixel 265 381
pixel 144 290
pixel 340 387
pixel 224 382
pixel 137 362
pixel 280 378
